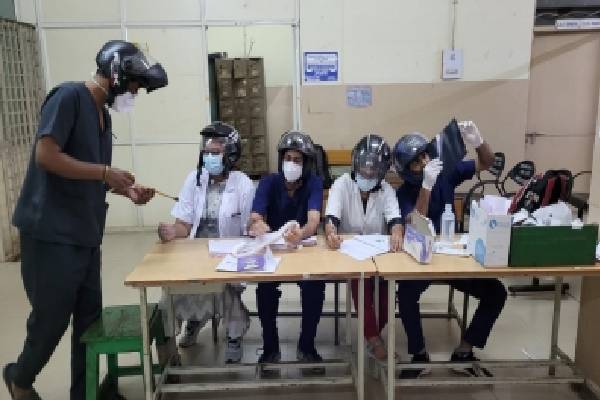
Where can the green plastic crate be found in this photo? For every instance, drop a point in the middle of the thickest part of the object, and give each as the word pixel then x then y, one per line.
pixel 552 246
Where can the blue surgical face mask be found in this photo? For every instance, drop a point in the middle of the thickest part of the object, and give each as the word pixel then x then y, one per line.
pixel 213 163
pixel 365 185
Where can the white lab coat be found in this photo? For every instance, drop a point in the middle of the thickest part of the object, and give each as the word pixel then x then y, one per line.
pixel 235 209
pixel 234 212
pixel 344 202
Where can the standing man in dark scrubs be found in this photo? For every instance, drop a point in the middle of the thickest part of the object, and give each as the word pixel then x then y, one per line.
pixel 62 210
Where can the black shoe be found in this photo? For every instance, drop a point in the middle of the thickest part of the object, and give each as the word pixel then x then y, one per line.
pixel 270 357
pixel 414 373
pixel 33 395
pixel 312 357
pixel 469 357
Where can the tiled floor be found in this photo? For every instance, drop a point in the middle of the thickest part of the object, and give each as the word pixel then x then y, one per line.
pixel 522 331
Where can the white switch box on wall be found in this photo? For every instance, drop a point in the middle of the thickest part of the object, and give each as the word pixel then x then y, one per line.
pixel 452 64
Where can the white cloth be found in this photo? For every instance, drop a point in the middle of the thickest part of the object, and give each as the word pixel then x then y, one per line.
pixel 344 203
pixel 234 212
pixel 235 207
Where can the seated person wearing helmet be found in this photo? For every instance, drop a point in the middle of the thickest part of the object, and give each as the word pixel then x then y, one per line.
pixel 363 203
pixel 428 187
pixel 294 193
pixel 214 202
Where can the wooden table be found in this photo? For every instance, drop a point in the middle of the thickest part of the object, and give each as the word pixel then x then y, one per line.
pixel 401 266
pixel 184 263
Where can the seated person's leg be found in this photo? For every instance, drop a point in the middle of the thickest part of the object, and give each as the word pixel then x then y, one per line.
pixel 313 296
pixel 492 296
pixel 409 293
pixel 237 321
pixel 375 346
pixel 267 302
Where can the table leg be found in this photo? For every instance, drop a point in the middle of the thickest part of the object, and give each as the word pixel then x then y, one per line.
pixel 555 322
pixel 391 361
pixel 348 313
pixel 376 296
pixel 148 378
pixel 361 337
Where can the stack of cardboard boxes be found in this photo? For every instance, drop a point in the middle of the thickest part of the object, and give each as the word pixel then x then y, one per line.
pixel 242 103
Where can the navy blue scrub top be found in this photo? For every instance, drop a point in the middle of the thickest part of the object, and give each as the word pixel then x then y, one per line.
pixel 442 192
pixel 61 210
pixel 277 207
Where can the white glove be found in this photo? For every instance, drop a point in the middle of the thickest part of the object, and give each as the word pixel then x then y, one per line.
pixel 431 173
pixel 470 133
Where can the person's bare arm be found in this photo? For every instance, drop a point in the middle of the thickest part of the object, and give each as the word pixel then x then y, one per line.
pixel 49 156
pixel 295 235
pixel 257 225
pixel 485 157
pixel 168 232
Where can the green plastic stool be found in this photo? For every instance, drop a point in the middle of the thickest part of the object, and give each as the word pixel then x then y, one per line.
pixel 118 330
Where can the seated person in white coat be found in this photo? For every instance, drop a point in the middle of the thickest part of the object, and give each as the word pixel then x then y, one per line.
pixel 214 202
pixel 363 203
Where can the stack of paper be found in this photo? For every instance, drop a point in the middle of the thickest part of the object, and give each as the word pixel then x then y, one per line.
pixel 363 247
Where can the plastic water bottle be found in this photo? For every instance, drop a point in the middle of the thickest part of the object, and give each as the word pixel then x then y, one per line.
pixel 447 225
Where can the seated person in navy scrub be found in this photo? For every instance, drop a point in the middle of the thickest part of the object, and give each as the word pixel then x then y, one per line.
pixel 293 193
pixel 427 188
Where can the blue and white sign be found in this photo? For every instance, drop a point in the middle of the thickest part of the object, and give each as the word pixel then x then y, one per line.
pixel 359 96
pixel 321 67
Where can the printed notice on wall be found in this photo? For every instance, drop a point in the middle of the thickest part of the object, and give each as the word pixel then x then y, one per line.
pixel 321 67
pixel 359 96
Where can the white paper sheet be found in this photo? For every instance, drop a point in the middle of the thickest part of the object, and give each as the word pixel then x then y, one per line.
pixel 223 246
pixel 380 242
pixel 598 252
pixel 359 250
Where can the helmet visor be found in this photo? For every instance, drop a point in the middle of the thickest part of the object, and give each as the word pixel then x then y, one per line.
pixel 369 165
pixel 143 68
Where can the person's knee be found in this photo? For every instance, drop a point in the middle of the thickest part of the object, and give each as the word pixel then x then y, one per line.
pixel 314 289
pixel 496 295
pixel 267 290
pixel 408 295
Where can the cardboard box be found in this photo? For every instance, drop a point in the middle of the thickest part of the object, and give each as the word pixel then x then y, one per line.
pixel 553 245
pixel 258 126
pixel 259 164
pixel 243 126
pixel 240 68
pixel 489 237
pixel 226 109
pixel 240 88
pixel 242 108
pixel 245 162
pixel 258 145
pixel 255 67
pixel 229 121
pixel 256 87
pixel 225 87
pixel 224 68
pixel 246 147
pixel 257 107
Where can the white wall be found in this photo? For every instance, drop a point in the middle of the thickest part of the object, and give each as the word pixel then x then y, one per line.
pixel 390 41
pixel 380 42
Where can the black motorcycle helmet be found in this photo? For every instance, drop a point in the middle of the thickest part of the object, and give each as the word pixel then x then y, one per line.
pixel 405 151
pixel 123 62
pixel 294 140
pixel 374 153
pixel 225 134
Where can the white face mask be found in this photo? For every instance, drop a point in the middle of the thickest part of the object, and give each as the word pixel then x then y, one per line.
pixel 124 103
pixel 291 171
pixel 365 185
